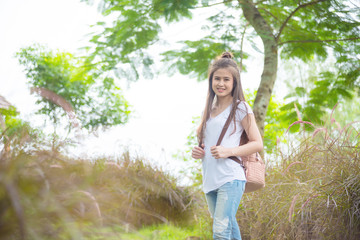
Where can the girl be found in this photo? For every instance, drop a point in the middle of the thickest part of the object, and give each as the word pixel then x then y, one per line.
pixel 224 179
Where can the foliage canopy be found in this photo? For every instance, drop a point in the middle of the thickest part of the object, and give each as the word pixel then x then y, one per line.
pixel 288 29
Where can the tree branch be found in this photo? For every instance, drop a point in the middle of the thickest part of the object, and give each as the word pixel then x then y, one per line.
pixel 268 12
pixel 253 16
pixel 292 14
pixel 260 2
pixel 211 5
pixel 273 16
pixel 320 41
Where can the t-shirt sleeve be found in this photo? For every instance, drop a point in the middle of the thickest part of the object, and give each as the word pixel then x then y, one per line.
pixel 242 110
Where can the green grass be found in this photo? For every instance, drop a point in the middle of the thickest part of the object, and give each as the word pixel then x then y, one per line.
pixel 155 232
pixel 162 232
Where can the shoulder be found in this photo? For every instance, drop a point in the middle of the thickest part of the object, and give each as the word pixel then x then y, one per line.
pixel 244 106
pixel 243 109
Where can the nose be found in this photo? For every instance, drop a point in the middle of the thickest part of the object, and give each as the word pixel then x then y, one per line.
pixel 221 83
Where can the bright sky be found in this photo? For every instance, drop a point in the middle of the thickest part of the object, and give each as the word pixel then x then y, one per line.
pixel 164 107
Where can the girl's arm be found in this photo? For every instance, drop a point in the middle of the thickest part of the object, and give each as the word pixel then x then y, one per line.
pixel 255 143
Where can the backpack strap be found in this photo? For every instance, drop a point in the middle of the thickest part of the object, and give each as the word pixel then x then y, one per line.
pixel 226 126
pixel 222 134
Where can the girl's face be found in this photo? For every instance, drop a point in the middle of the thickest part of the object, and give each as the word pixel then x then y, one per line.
pixel 222 83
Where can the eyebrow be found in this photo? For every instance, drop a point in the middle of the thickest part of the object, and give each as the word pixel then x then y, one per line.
pixel 220 76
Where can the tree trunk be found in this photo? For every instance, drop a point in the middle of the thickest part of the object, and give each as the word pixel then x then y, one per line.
pixel 268 76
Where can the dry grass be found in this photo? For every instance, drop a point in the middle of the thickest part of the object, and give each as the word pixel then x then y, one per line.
pixel 313 193
pixel 44 195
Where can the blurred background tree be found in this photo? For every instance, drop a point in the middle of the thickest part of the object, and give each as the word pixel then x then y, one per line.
pixel 288 30
pixel 68 86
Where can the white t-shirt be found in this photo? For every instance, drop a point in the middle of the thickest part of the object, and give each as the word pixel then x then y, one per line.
pixel 217 172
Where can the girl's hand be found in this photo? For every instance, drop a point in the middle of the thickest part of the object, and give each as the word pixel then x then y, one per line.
pixel 219 152
pixel 198 152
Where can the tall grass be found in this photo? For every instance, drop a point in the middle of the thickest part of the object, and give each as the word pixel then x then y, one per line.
pixel 45 195
pixel 312 193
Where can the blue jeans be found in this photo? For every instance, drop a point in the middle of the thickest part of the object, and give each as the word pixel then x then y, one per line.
pixel 223 204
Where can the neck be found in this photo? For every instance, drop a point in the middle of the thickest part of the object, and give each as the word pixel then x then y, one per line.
pixel 223 102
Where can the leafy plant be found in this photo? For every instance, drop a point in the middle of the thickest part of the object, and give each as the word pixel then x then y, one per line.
pixel 69 87
pixel 320 91
pixel 15 133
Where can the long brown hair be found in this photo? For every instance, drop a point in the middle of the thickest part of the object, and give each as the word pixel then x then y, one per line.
pixel 224 61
